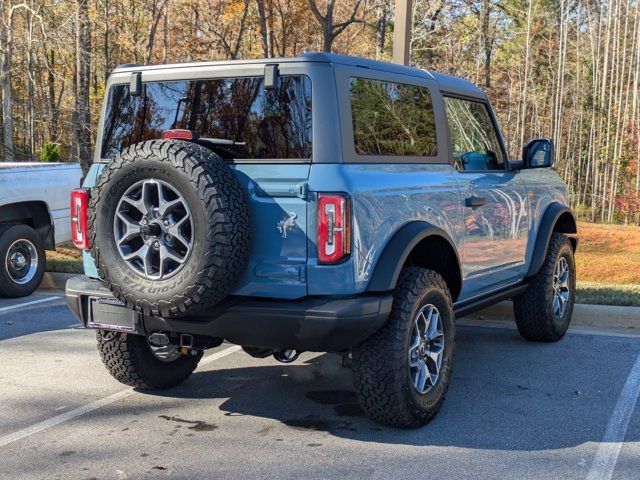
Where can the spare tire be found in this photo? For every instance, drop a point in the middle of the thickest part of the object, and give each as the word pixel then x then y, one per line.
pixel 169 227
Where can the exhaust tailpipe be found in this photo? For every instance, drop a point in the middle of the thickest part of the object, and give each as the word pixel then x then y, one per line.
pixel 286 356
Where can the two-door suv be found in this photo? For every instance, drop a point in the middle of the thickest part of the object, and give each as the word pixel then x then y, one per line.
pixel 320 203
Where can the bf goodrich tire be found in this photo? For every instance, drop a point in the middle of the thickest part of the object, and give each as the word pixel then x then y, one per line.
pixel 22 260
pixel 543 312
pixel 169 227
pixel 390 381
pixel 129 360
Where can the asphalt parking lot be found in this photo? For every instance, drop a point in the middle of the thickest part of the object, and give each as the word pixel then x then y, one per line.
pixel 514 410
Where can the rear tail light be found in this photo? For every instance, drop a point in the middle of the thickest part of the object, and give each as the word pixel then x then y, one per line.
pixel 334 228
pixel 179 134
pixel 79 206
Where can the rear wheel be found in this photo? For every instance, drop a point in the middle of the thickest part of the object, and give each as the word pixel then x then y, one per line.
pixel 22 260
pixel 543 312
pixel 402 372
pixel 132 361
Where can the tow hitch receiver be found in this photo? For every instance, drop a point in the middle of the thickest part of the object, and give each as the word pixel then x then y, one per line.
pixel 185 341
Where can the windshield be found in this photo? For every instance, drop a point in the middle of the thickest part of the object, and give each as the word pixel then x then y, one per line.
pixel 265 123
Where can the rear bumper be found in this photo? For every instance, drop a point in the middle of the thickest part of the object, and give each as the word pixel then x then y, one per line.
pixel 310 324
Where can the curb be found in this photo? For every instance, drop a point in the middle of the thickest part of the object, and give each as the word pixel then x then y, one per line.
pixel 583 314
pixel 55 280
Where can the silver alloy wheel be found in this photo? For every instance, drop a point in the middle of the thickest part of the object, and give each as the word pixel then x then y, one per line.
pixel 560 288
pixel 426 349
pixel 21 262
pixel 153 229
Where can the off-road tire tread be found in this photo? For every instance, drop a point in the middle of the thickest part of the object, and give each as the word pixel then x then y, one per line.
pixel 229 226
pixel 378 362
pixel 530 307
pixel 129 360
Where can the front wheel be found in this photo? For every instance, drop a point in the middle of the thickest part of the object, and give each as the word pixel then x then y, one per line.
pixel 543 312
pixel 402 372
pixel 132 361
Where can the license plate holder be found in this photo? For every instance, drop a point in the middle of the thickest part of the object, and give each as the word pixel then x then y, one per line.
pixel 109 314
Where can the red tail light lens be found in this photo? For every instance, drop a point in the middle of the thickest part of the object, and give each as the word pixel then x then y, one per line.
pixel 334 228
pixel 79 207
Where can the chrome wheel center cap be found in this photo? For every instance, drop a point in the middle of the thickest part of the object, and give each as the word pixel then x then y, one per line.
pixel 18 260
pixel 21 261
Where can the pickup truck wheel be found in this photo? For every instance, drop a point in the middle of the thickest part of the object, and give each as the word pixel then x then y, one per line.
pixel 169 227
pixel 543 312
pixel 22 260
pixel 402 372
pixel 131 360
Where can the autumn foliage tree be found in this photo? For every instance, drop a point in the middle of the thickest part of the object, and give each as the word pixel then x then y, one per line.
pixel 568 69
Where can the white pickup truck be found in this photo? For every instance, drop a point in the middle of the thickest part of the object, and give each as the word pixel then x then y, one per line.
pixel 35 216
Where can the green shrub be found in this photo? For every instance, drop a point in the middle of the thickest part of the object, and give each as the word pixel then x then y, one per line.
pixel 51 152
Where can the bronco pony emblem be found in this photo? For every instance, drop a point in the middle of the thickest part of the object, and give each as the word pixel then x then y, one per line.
pixel 287 224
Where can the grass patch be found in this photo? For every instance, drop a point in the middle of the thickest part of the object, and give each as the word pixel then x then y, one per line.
pixel 608 264
pixel 608 254
pixel 66 259
pixel 608 294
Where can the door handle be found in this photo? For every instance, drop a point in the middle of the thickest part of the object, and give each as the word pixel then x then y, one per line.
pixel 474 201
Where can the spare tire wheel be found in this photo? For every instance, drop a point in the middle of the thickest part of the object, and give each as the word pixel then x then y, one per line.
pixel 169 225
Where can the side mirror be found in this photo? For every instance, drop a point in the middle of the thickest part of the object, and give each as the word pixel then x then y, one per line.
pixel 538 153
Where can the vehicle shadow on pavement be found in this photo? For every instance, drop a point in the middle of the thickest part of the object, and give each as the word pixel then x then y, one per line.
pixel 506 394
pixel 37 319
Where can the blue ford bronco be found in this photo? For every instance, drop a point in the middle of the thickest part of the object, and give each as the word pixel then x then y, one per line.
pixel 320 203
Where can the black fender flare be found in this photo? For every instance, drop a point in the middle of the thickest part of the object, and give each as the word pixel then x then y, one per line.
pixel 548 224
pixel 387 269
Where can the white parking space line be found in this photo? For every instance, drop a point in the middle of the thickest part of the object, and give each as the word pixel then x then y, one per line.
pixel 219 355
pixel 64 417
pixel 604 462
pixel 28 304
pixel 71 414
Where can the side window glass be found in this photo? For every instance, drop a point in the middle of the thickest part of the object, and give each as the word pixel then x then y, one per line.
pixel 392 119
pixel 474 140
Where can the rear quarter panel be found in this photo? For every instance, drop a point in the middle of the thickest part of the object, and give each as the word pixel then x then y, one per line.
pixel 384 198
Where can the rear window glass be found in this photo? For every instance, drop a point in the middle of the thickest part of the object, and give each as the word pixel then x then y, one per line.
pixel 392 119
pixel 270 123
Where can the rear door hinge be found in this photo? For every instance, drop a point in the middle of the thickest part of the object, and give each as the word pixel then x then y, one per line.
pixel 303 191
